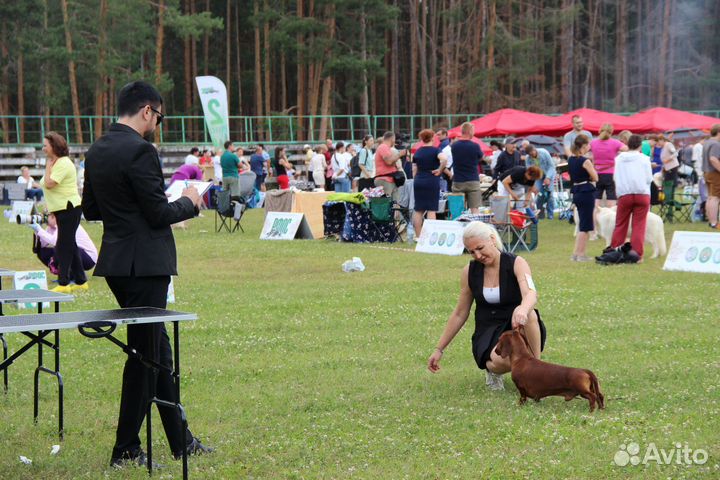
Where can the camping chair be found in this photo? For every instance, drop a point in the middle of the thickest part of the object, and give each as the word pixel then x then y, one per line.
pixel 246 183
pixel 228 211
pixel 670 204
pixel 384 211
pixel 517 230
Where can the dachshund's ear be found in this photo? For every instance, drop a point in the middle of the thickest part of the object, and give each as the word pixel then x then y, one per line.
pixel 503 348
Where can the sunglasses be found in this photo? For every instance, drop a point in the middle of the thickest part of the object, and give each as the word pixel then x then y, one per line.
pixel 160 116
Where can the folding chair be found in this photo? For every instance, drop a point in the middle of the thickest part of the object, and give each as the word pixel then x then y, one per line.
pixel 229 211
pixel 516 230
pixel 384 211
pixel 671 205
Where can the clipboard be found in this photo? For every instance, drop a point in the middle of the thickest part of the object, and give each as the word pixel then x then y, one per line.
pixel 174 191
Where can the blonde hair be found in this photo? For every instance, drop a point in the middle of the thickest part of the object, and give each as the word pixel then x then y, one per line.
pixel 606 131
pixel 483 231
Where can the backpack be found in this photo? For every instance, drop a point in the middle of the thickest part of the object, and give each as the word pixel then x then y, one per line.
pixel 355 165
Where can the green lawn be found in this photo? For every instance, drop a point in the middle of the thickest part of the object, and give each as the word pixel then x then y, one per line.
pixel 298 370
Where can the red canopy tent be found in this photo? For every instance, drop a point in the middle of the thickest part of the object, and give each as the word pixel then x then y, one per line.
pixel 514 122
pixel 436 143
pixel 662 119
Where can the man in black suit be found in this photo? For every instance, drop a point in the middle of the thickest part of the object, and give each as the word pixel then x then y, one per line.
pixel 124 188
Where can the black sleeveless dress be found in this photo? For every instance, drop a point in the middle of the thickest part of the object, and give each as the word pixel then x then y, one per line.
pixel 492 319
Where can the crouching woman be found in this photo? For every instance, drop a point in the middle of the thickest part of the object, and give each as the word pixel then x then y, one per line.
pixel 502 288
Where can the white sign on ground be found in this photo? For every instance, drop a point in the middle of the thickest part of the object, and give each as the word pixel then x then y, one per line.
pixel 442 237
pixel 694 252
pixel 36 280
pixel 21 207
pixel 285 226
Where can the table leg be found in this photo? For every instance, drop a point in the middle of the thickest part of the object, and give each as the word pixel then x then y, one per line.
pixel 5 356
pixel 55 373
pixel 176 374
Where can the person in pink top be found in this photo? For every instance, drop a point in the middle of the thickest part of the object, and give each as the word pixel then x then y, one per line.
pixel 187 172
pixel 44 241
pixel 386 163
pixel 604 150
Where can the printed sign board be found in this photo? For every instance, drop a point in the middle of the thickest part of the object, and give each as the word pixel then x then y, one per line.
pixel 694 252
pixel 441 237
pixel 36 280
pixel 21 207
pixel 285 226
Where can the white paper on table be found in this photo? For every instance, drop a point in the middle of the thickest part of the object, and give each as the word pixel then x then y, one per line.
pixel 176 188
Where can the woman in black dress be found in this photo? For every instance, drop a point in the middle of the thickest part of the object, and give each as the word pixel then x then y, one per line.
pixel 583 177
pixel 428 165
pixel 502 288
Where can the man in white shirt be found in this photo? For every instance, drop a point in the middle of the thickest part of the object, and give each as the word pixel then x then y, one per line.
pixel 32 188
pixel 194 157
pixel 341 164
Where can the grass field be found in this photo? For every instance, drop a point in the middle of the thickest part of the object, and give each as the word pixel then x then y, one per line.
pixel 298 370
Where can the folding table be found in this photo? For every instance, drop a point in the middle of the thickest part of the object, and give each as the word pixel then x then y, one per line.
pixel 101 324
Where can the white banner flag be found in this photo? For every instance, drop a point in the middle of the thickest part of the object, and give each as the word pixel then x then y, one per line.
pixel 213 96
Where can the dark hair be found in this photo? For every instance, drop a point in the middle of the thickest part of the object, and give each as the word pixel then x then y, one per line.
pixel 715 129
pixel 534 172
pixel 388 135
pixel 194 150
pixel 365 140
pixel 426 135
pixel 207 150
pixel 135 95
pixel 277 153
pixel 530 149
pixel 228 143
pixel 339 145
pixel 495 143
pixel 580 141
pixel 442 131
pixel 634 142
pixel 58 144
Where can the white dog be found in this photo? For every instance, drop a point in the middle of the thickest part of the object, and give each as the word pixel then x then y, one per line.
pixel 654 230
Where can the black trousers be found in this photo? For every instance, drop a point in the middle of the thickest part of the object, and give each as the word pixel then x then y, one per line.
pixel 152 341
pixel 67 254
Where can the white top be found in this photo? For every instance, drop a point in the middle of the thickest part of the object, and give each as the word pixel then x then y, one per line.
pixel 30 181
pixel 491 294
pixel 317 163
pixel 447 151
pixel 192 160
pixel 633 173
pixel 697 155
pixel 341 161
pixel 217 168
pixel 494 160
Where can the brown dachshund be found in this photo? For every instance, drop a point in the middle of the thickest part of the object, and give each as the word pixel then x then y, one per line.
pixel 537 379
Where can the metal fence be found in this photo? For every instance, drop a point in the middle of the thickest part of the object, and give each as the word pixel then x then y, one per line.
pixel 30 129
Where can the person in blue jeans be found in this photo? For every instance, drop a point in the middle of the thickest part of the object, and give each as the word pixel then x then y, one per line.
pixel 258 165
pixel 340 161
pixel 583 177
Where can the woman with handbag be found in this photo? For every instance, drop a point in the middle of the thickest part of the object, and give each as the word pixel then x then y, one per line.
pixel 60 188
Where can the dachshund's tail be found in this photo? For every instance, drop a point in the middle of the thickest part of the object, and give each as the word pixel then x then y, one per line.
pixel 595 387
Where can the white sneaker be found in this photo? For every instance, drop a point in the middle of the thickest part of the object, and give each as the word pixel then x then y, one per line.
pixel 494 381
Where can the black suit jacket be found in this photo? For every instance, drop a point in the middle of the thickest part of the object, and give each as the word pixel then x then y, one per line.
pixel 124 188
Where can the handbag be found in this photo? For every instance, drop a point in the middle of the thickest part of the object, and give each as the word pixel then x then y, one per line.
pixel 398 177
